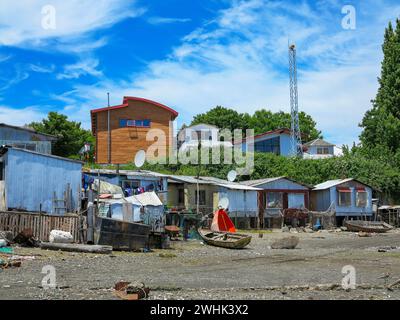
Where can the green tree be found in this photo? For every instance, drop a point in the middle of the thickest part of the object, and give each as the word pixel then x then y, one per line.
pixel 265 120
pixel 261 121
pixel 381 124
pixel 223 118
pixel 71 137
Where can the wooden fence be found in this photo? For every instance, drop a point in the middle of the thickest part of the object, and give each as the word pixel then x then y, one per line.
pixel 41 224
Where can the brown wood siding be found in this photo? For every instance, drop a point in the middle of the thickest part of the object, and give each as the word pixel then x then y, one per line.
pixel 125 142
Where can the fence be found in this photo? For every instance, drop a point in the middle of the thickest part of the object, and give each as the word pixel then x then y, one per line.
pixel 41 224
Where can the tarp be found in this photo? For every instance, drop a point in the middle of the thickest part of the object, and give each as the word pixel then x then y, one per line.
pixel 222 222
pixel 107 188
pixel 146 199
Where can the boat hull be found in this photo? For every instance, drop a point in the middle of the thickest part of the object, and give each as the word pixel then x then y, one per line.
pixel 232 241
pixel 366 226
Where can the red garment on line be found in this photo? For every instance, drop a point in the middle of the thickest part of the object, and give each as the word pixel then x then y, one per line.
pixel 222 222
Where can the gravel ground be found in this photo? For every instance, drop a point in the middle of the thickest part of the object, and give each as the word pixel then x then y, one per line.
pixel 192 270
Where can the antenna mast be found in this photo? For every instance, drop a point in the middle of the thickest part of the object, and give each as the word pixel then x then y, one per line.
pixel 296 145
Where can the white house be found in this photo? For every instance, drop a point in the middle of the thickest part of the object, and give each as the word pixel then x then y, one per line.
pixel 207 135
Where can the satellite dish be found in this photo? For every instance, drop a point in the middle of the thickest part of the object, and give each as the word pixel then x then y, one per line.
pixel 140 158
pixel 223 203
pixel 232 175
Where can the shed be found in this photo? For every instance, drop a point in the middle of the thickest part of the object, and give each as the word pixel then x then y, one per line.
pixel 33 182
pixel 278 194
pixel 25 138
pixel 351 198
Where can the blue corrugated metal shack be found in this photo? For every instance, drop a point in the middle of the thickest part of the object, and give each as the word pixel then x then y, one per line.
pixel 31 181
pixel 350 198
pixel 25 138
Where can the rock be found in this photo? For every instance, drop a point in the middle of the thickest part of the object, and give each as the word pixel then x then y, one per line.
pixel 59 236
pixel 308 230
pixel 363 234
pixel 343 228
pixel 285 229
pixel 285 243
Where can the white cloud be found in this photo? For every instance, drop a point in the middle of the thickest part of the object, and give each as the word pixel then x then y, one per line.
pixel 83 67
pixel 20 117
pixel 165 20
pixel 21 21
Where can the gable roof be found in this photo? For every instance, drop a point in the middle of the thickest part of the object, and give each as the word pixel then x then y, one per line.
pixel 332 183
pixel 125 103
pixel 319 143
pixel 259 182
pixel 30 130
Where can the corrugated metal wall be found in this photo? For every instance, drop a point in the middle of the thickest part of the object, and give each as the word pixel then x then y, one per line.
pixel 244 203
pixel 31 179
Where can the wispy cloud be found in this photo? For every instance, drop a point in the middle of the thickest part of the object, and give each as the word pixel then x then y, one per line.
pixel 166 20
pixel 83 67
pixel 22 21
pixel 4 58
pixel 20 75
pixel 42 69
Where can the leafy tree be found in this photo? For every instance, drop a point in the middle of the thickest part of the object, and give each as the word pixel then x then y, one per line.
pixel 223 118
pixel 381 124
pixel 265 120
pixel 71 137
pixel 261 121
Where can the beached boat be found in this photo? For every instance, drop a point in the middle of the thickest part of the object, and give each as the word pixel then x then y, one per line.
pixel 224 239
pixel 367 226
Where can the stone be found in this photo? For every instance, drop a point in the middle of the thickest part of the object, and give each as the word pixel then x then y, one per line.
pixel 286 243
pixel 285 229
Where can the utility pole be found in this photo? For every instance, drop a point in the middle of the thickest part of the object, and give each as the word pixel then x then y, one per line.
pixel 295 135
pixel 108 129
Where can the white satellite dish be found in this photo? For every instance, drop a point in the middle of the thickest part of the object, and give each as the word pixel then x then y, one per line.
pixel 232 175
pixel 223 203
pixel 140 158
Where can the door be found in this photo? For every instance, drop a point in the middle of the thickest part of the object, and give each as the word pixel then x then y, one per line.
pixel 2 197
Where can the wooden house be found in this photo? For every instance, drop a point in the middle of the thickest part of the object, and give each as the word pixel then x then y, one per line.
pixel 121 131
pixel 276 195
pixel 350 198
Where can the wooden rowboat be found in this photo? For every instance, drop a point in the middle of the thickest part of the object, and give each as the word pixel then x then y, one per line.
pixel 224 239
pixel 367 226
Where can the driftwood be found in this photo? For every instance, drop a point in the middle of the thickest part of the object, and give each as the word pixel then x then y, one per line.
pixel 71 247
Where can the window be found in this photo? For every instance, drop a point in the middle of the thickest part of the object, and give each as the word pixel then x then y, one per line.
pixel 324 150
pixel 274 200
pixel 271 145
pixel 361 198
pixel 181 196
pixel 202 197
pixel 131 184
pixel 344 197
pixel 134 123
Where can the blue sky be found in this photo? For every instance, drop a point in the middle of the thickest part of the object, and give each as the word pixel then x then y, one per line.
pixel 191 56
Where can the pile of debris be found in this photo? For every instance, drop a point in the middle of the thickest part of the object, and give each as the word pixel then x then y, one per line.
pixel 131 291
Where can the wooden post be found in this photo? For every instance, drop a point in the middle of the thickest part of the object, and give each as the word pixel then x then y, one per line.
pixel 90 218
